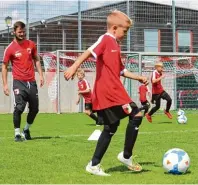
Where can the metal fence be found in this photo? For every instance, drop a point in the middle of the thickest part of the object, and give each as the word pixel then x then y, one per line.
pixel 72 25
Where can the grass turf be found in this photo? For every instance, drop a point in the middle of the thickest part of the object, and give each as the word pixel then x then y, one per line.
pixel 60 151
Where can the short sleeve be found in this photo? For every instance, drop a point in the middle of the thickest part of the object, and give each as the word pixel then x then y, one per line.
pixel 154 75
pixel 86 84
pixel 98 47
pixel 34 50
pixel 7 55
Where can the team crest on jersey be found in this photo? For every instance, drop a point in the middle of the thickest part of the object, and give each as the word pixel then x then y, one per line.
pixel 127 108
pixel 16 91
pixel 29 50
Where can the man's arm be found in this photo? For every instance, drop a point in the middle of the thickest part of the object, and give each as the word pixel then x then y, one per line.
pixel 4 78
pixel 39 69
pixel 130 75
pixel 72 70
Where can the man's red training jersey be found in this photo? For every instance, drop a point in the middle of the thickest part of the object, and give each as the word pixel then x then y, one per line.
pixel 21 56
pixel 108 89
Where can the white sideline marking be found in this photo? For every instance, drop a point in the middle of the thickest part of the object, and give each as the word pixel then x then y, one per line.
pixel 86 135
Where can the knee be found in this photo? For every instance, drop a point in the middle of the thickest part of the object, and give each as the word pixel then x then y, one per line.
pixel 169 99
pixel 111 129
pixel 34 111
pixel 136 121
pixel 87 112
pixel 19 108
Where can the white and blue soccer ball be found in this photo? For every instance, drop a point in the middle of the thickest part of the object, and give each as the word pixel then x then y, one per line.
pixel 176 161
pixel 182 119
pixel 180 112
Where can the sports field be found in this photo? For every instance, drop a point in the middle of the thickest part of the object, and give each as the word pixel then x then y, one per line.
pixel 60 151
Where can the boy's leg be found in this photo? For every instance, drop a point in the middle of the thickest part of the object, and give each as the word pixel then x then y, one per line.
pixel 145 107
pixel 103 142
pixel 132 129
pixel 88 111
pixel 165 96
pixel 157 105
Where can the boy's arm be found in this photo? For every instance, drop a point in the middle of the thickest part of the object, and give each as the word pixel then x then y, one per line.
pixel 154 80
pixel 130 75
pixel 72 70
pixel 78 99
pixel 85 91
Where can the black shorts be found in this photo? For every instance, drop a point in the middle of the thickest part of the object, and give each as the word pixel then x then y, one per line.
pixel 25 92
pixel 145 103
pixel 88 106
pixel 116 113
pixel 157 97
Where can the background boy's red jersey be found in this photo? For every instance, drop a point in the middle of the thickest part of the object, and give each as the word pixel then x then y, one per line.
pixel 21 55
pixel 82 86
pixel 143 91
pixel 156 87
pixel 108 89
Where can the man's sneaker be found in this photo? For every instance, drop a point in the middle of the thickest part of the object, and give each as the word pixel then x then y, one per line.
pixel 148 117
pixel 96 170
pixel 128 162
pixel 26 134
pixel 168 114
pixel 18 138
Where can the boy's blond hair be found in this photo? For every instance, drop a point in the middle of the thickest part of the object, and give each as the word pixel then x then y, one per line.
pixel 80 70
pixel 159 64
pixel 119 18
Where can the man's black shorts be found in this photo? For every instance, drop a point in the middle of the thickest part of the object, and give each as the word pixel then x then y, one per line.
pixel 114 114
pixel 156 97
pixel 25 92
pixel 88 106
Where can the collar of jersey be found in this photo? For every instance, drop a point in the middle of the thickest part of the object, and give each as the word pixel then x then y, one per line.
pixel 157 72
pixel 109 34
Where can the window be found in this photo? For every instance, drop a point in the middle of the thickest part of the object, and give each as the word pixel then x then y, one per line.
pixel 151 40
pixel 184 41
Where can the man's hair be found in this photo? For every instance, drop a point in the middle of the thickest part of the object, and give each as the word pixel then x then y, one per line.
pixel 159 64
pixel 18 24
pixel 117 17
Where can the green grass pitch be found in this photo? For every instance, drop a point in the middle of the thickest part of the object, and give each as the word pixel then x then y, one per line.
pixel 60 151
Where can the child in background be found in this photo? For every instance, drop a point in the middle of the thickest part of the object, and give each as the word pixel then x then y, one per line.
pixel 84 90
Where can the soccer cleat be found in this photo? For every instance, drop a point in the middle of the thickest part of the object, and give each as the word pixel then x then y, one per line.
pixel 18 138
pixel 128 162
pixel 96 170
pixel 148 117
pixel 168 114
pixel 26 134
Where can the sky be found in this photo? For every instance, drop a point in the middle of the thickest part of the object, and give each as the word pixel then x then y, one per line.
pixel 43 9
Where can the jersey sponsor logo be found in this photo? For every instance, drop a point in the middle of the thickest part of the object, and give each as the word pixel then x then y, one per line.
pixel 18 54
pixel 16 91
pixel 127 108
pixel 113 50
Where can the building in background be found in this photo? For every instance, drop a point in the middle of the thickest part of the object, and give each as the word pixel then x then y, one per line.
pixel 151 31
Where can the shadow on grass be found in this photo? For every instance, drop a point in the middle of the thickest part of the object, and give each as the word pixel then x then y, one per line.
pixel 187 173
pixel 43 137
pixel 124 169
pixel 147 163
pixel 164 122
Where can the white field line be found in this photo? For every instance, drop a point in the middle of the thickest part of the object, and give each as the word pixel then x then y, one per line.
pixel 118 134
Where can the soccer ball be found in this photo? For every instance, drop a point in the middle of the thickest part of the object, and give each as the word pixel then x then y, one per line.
pixel 176 161
pixel 180 112
pixel 182 119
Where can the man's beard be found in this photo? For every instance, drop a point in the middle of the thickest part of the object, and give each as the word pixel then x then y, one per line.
pixel 19 39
